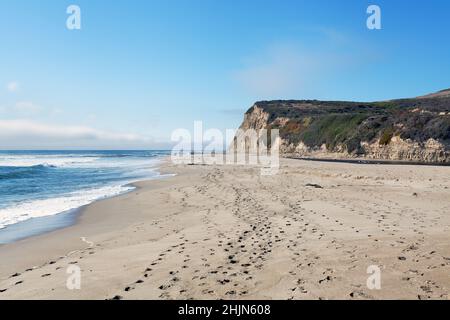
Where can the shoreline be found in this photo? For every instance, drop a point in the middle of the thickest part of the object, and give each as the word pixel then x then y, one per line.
pixel 84 223
pixel 226 232
pixel 36 226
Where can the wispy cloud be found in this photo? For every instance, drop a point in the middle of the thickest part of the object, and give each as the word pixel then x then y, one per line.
pixel 21 132
pixel 12 86
pixel 293 69
pixel 26 107
pixel 232 112
pixel 276 71
pixel 55 111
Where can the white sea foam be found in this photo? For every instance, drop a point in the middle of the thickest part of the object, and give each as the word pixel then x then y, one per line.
pixel 65 161
pixel 54 161
pixel 48 207
pixel 130 169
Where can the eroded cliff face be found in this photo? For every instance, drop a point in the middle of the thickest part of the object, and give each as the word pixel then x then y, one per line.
pixel 431 151
pixel 399 149
pixel 407 130
pixel 256 119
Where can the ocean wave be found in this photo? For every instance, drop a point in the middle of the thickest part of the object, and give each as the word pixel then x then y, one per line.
pixel 20 161
pixel 7 173
pixel 52 206
pixel 39 184
pixel 75 162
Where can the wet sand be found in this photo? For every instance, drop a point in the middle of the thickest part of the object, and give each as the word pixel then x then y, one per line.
pixel 211 232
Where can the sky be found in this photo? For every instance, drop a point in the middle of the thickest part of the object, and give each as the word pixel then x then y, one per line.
pixel 138 70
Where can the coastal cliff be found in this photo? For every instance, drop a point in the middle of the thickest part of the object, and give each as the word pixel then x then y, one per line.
pixel 416 129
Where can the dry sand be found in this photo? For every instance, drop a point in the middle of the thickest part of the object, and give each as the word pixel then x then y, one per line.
pixel 226 232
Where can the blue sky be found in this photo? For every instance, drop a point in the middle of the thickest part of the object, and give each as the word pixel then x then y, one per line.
pixel 137 70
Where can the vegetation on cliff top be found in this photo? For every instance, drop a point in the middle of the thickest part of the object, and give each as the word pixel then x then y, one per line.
pixel 347 124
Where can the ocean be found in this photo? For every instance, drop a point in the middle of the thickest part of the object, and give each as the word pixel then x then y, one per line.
pixel 40 190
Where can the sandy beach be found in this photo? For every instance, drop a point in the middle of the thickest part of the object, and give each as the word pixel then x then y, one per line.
pixel 226 232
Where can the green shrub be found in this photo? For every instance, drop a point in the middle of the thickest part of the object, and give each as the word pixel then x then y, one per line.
pixel 386 136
